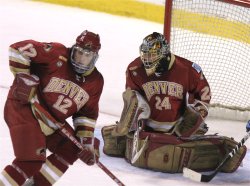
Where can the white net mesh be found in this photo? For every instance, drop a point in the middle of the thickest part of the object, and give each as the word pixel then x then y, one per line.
pixel 216 35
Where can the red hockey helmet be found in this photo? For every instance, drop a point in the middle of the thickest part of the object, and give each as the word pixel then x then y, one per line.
pixel 84 53
pixel 89 40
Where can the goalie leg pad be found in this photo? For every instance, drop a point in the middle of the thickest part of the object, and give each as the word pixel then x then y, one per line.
pixel 233 163
pixel 113 145
pixel 157 155
pixel 166 153
pixel 135 108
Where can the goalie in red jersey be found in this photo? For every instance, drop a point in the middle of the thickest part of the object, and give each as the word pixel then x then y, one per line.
pixel 67 84
pixel 162 125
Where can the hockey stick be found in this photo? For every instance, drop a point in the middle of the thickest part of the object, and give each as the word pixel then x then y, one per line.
pixel 196 176
pixel 66 133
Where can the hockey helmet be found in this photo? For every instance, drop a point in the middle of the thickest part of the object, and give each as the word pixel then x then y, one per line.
pixel 84 53
pixel 153 48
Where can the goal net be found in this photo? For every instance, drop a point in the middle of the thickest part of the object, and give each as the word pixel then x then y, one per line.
pixel 216 35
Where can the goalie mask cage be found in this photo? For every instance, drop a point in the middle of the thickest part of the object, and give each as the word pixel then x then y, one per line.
pixel 216 35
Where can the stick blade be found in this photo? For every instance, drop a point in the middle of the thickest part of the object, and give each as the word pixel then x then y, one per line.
pixel 189 173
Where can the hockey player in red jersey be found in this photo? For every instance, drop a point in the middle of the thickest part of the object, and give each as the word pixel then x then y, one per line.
pixel 164 80
pixel 162 123
pixel 67 84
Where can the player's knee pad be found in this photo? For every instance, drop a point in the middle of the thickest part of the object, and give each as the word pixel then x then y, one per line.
pixel 135 108
pixel 62 146
pixel 167 153
pixel 192 124
pixel 28 142
pixel 67 151
pixel 113 145
pixel 54 141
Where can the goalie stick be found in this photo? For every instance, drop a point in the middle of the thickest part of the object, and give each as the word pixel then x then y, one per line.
pixel 196 176
pixel 66 133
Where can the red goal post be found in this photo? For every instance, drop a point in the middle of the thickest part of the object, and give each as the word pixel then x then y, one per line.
pixel 216 35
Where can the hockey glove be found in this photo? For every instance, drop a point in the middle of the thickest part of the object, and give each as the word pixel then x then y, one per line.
pixel 25 87
pixel 90 154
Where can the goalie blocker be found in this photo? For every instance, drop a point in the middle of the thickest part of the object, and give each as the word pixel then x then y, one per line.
pixel 164 152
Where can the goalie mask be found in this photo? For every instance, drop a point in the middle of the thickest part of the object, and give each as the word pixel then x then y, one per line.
pixel 153 48
pixel 84 53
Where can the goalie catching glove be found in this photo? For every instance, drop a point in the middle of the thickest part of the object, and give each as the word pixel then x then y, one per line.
pixel 25 87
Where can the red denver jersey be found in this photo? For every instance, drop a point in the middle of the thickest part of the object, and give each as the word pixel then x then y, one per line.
pixel 166 94
pixel 59 90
